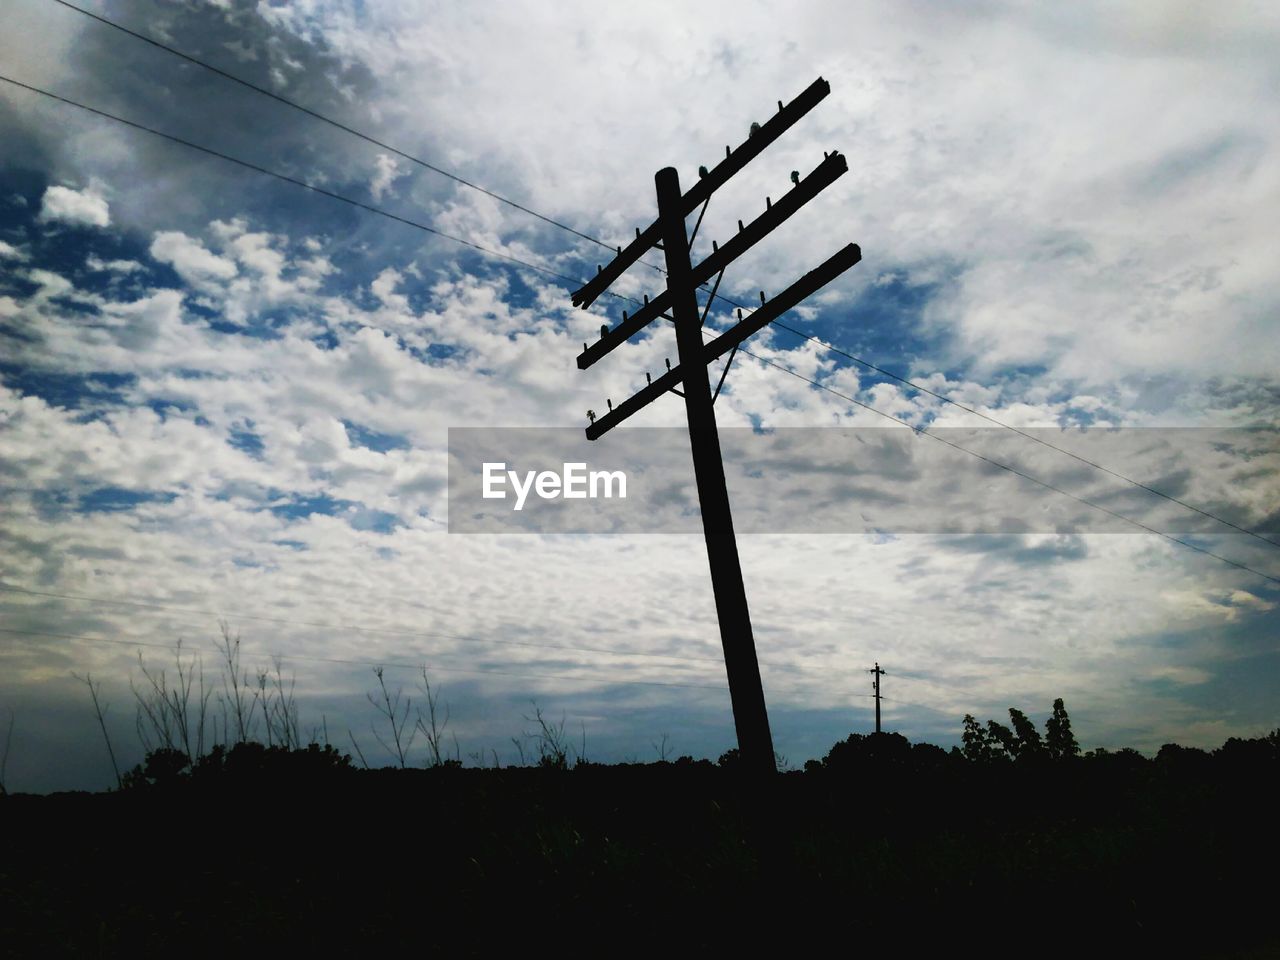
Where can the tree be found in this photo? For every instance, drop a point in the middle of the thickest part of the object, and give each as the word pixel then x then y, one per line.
pixel 1060 742
pixel 977 743
pixel 1029 745
pixel 1004 742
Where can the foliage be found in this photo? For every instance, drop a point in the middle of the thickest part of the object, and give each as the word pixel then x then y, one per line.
pixel 978 745
pixel 1060 742
pixel 1027 738
pixel 554 746
pixel 1002 737
pixel 246 762
pixel 1020 741
pixel 730 759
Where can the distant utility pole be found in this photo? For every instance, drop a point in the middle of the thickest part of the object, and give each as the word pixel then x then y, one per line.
pixel 751 720
pixel 876 684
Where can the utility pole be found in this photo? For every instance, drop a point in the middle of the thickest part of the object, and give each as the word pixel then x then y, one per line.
pixel 668 233
pixel 876 684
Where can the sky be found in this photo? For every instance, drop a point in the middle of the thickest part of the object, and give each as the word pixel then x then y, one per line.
pixel 227 398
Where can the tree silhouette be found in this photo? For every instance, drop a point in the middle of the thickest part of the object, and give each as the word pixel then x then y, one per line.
pixel 1004 742
pixel 1060 742
pixel 978 745
pixel 1021 741
pixel 1029 745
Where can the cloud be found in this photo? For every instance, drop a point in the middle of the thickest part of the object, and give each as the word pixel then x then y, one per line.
pixel 112 266
pixel 388 172
pixel 1061 224
pixel 9 252
pixel 77 207
pixel 193 262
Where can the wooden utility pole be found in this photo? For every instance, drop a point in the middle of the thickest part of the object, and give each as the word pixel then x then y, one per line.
pixel 876 684
pixel 751 719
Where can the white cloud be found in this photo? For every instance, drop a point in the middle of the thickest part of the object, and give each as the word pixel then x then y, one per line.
pixel 193 262
pixel 1091 203
pixel 388 171
pixel 96 263
pixel 9 252
pixel 78 207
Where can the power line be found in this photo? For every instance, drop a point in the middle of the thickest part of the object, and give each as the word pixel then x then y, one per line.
pixel 1004 466
pixel 559 276
pixel 339 125
pixel 1022 433
pixel 293 180
pixel 563 226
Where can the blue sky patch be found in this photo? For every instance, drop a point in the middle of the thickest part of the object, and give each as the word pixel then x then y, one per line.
pixel 113 499
pixel 363 436
pixel 68 390
pixel 244 439
pixel 356 514
pixel 299 508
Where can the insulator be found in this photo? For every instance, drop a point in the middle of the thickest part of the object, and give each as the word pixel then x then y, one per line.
pixel 702 171
pixel 646 299
pixel 727 151
pixel 795 177
pixel 604 329
pixel 740 227
pixel 739 313
pixel 768 203
pixel 762 297
pixel 648 377
pixel 610 403
pixel 668 363
pixel 714 246
pixel 779 106
pixel 624 316
pixel 599 269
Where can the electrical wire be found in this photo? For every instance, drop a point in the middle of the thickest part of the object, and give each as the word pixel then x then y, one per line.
pixel 292 180
pixel 467 243
pixel 1016 472
pixel 340 126
pixel 713 296
pixel 1022 433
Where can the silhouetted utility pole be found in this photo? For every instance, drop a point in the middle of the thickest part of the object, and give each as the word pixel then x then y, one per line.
pixel 876 684
pixel 751 720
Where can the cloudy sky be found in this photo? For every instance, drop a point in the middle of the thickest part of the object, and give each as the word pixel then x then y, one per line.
pixel 224 396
